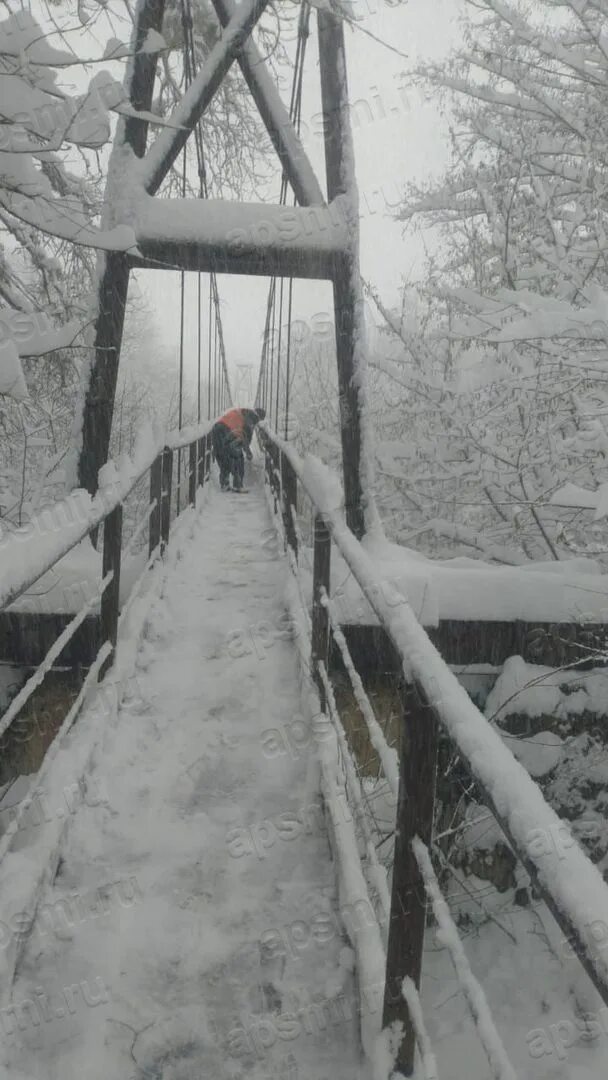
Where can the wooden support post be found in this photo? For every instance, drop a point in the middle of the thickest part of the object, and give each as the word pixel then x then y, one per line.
pixel 156 487
pixel 320 615
pixel 417 773
pixel 192 474
pixel 113 267
pixel 112 545
pixel 289 491
pixel 338 168
pixel 165 503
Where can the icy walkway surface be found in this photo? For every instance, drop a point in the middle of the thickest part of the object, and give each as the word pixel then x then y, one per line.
pixel 192 922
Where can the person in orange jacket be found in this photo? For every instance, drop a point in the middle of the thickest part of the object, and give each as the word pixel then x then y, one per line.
pixel 231 437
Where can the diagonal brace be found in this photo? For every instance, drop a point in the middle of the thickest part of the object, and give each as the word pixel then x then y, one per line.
pixel 197 98
pixel 279 126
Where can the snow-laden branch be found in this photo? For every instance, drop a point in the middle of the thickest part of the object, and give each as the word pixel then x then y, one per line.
pixel 161 155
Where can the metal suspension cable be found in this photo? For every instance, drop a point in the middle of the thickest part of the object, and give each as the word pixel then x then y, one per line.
pixel 181 357
pixel 276 411
pixel 295 110
pixel 214 303
pixel 222 346
pixel 190 64
pixel 272 342
pixel 288 359
pixel 216 356
pixel 261 396
pixel 303 32
pixel 209 358
pixel 198 351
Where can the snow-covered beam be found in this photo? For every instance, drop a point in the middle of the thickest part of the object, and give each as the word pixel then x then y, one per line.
pixel 195 101
pixel 240 238
pixel 281 130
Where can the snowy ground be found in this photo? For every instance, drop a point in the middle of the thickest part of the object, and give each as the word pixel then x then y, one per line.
pixel 551 1021
pixel 147 956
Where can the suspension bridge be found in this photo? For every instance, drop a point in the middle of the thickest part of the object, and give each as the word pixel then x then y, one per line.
pixel 203 879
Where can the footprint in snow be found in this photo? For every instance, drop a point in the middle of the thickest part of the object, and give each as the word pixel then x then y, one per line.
pixel 180 1047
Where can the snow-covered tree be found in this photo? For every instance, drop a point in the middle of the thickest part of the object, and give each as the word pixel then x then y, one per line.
pixel 516 355
pixel 62 70
pixel 50 191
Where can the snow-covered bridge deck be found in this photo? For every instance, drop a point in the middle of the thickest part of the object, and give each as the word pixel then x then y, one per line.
pixel 200 840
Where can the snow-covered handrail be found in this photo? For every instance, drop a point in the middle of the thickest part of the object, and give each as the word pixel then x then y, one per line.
pixel 31 550
pixel 358 886
pixel 570 883
pixel 29 555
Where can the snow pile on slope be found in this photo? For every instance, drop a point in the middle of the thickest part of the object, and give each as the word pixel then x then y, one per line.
pixel 541 695
pixel 539 754
pixel 73 580
pixel 534 690
pixel 470 589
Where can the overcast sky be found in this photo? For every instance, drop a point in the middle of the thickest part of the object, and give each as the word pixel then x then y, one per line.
pixel 398 137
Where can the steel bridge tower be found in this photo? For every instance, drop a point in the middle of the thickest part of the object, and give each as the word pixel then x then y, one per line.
pixel 318 238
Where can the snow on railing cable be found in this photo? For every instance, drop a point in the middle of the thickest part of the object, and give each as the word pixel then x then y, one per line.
pixel 31 551
pixel 367 941
pixel 55 650
pixel 29 870
pixel 134 592
pixel 139 529
pixel 278 522
pixel 427 1057
pixel 177 440
pixel 376 872
pixel 89 681
pixel 448 935
pixel 386 753
pixel 497 1057
pixel 68 632
pixel 573 886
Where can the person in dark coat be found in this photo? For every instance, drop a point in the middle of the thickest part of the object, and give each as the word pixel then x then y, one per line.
pixel 231 437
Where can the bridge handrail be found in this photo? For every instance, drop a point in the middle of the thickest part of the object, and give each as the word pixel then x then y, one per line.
pixel 76 516
pixel 570 884
pixel 88 513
